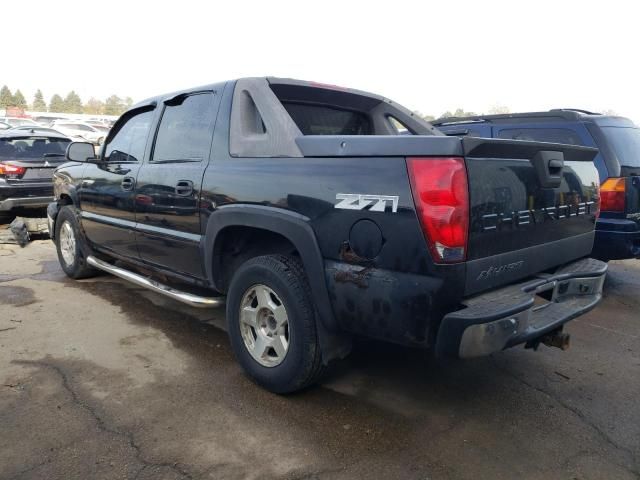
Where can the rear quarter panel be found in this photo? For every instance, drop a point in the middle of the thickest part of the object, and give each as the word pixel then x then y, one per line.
pixel 392 295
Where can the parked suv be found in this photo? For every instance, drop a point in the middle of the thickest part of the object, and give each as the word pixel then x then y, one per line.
pixel 317 213
pixel 618 163
pixel 27 161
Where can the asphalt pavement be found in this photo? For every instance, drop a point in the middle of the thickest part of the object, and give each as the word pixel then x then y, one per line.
pixel 100 379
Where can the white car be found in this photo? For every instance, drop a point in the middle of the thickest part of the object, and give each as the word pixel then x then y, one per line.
pixel 19 121
pixel 80 130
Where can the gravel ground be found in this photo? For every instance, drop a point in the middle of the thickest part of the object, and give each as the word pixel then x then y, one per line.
pixel 100 380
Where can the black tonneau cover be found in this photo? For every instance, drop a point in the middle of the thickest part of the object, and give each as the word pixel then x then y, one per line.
pixel 430 145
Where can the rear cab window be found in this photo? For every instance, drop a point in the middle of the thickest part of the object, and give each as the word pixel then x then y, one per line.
pixel 323 120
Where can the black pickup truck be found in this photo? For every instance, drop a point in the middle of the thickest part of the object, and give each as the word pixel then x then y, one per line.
pixel 317 213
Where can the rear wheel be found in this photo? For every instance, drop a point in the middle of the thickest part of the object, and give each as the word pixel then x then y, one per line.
pixel 68 245
pixel 271 323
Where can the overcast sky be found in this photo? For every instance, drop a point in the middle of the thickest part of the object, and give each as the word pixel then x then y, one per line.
pixel 429 56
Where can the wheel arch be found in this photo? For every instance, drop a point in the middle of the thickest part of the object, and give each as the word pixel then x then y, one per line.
pixel 296 229
pixel 65 195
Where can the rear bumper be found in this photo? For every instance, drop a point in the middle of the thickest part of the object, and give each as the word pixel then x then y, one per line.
pixel 30 195
pixel 503 318
pixel 616 239
pixel 33 202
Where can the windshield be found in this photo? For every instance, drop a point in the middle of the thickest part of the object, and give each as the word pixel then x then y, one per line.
pixel 31 147
pixel 625 141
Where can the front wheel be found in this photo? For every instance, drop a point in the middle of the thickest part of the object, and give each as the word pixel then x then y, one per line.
pixel 68 245
pixel 271 323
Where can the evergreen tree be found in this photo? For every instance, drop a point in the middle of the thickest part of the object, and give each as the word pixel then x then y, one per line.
pixel 72 103
pixel 56 104
pixel 19 100
pixel 39 104
pixel 6 97
pixel 114 105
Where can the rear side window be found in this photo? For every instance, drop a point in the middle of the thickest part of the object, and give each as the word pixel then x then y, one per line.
pixel 551 135
pixel 186 130
pixel 128 142
pixel 625 141
pixel 323 120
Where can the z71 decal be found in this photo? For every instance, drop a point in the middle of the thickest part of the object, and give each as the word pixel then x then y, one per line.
pixel 373 203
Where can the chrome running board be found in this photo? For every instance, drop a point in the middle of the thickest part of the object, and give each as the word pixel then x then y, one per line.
pixel 184 297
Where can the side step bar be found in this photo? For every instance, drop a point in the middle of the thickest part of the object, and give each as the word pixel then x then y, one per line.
pixel 184 297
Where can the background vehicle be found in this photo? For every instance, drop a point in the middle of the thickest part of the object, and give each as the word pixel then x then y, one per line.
pixel 32 129
pixel 618 163
pixel 18 121
pixel 4 126
pixel 79 130
pixel 305 206
pixel 46 119
pixel 98 123
pixel 27 161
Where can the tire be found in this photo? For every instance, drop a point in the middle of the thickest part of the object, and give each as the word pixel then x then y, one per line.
pixel 280 282
pixel 68 245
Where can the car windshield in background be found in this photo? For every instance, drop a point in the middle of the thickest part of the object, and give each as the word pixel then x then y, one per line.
pixel 625 141
pixel 24 148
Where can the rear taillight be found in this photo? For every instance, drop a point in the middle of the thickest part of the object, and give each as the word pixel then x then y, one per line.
pixel 441 196
pixel 612 195
pixel 11 170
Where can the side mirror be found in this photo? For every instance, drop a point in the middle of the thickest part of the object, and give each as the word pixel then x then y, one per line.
pixel 80 152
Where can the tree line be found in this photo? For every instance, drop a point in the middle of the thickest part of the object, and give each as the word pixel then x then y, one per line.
pixel 71 103
pixel 115 105
pixel 461 113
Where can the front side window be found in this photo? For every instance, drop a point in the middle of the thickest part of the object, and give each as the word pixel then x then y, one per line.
pixel 128 142
pixel 186 129
pixel 551 135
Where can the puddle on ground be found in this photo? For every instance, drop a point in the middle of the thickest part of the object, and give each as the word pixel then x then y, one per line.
pixel 16 296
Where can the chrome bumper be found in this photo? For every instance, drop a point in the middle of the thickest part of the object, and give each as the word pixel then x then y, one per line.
pixel 518 314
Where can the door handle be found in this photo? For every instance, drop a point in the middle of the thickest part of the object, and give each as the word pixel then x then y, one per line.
pixel 548 166
pixel 127 183
pixel 184 188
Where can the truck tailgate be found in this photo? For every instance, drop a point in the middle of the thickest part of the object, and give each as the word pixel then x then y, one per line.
pixel 533 206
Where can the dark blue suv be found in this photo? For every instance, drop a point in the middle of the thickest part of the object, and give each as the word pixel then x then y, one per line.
pixel 618 163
